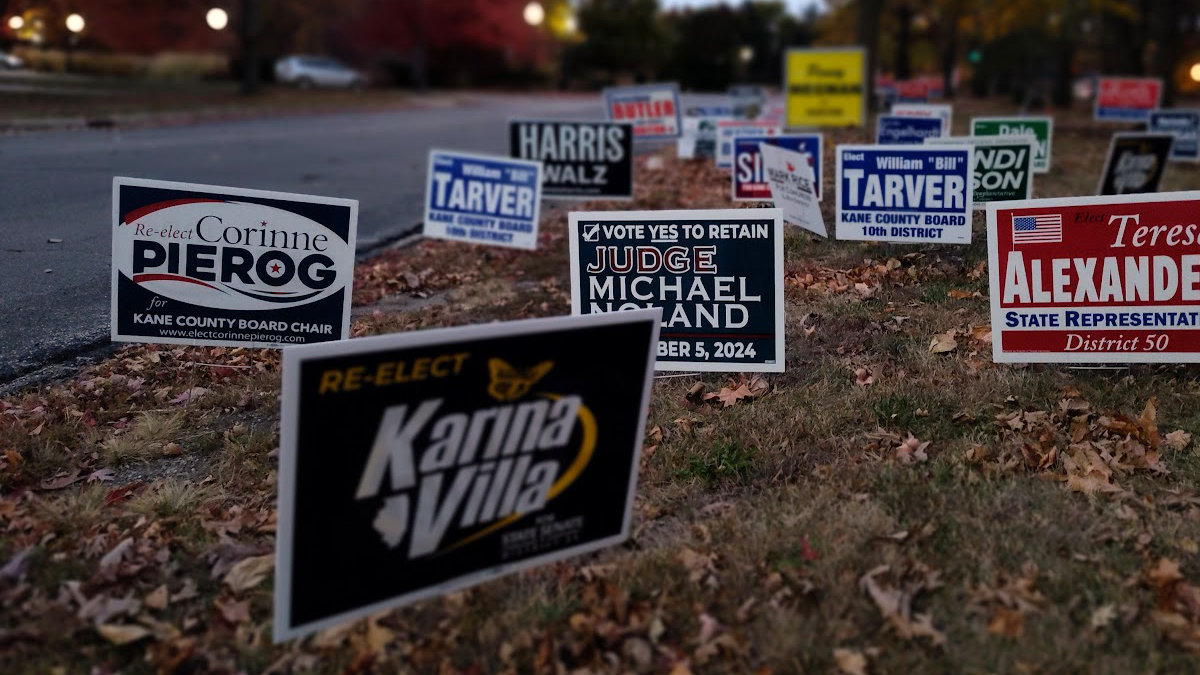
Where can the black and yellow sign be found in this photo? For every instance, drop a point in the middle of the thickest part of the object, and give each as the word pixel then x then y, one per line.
pixel 415 464
pixel 825 87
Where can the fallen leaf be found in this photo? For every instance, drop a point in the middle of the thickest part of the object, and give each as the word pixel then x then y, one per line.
pixel 729 396
pixel 1102 616
pixel 1177 440
pixel 114 556
pixel 233 611
pixel 1008 623
pixel 863 377
pixel 158 598
pixel 249 573
pixel 943 342
pixel 122 634
pixel 850 661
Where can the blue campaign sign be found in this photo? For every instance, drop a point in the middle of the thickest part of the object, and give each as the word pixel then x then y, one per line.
pixel 1184 125
pixel 750 177
pixel 905 130
pixel 904 194
pixel 482 199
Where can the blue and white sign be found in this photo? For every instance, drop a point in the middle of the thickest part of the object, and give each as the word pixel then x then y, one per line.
pixel 482 199
pixel 1184 125
pixel 728 130
pixel 904 194
pixel 904 130
pixel 749 171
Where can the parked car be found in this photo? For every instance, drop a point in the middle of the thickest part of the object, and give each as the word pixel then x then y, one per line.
pixel 11 61
pixel 307 72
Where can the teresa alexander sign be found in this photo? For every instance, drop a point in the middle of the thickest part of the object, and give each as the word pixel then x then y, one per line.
pixel 589 160
pixel 904 193
pixel 204 265
pixel 482 199
pixel 1096 279
pixel 716 274
pixel 413 465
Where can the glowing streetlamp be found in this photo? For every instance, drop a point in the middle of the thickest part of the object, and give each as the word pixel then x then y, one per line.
pixel 571 24
pixel 16 23
pixel 217 18
pixel 1195 72
pixel 75 23
pixel 534 14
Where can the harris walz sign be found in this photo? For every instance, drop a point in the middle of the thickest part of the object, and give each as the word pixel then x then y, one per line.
pixel 416 464
pixel 590 160
pixel 204 265
pixel 716 274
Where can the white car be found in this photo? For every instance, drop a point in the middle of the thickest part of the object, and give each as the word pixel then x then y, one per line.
pixel 307 72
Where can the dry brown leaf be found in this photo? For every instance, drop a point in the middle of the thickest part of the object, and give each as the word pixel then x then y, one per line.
pixel 1103 616
pixel 850 661
pixel 863 377
pixel 943 342
pixel 912 451
pixel 1009 623
pixel 250 572
pixel 233 611
pixel 895 605
pixel 1164 573
pixel 157 599
pixel 122 634
pixel 729 396
pixel 1177 440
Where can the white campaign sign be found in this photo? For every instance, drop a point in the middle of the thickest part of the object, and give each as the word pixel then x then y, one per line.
pixel 792 180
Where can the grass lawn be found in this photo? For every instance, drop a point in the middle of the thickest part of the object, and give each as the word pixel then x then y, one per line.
pixel 892 503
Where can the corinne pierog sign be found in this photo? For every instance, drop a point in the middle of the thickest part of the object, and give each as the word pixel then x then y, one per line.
pixel 204 265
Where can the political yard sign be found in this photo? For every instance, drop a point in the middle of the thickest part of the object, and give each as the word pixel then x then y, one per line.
pixel 483 199
pixel 904 193
pixel 749 172
pixel 1135 163
pixel 905 130
pixel 1096 279
pixel 716 274
pixel 1002 169
pixel 825 87
pixel 943 111
pixel 652 109
pixel 1126 99
pixel 205 265
pixel 793 186
pixel 415 464
pixel 1041 128
pixel 580 160
pixel 729 130
pixel 1184 125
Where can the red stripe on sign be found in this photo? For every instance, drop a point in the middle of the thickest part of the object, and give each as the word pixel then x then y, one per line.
pixel 1137 341
pixel 158 206
pixel 143 278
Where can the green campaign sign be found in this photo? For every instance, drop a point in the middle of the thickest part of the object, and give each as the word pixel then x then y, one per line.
pixel 1041 128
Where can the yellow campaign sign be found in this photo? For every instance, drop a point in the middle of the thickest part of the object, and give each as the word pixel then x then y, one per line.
pixel 825 87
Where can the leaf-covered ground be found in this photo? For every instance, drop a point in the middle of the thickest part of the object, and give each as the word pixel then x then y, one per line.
pixel 893 503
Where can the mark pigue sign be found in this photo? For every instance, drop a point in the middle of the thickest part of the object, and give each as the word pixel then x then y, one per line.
pixel 1096 279
pixel 1003 167
pixel 591 160
pixel 749 171
pixel 482 199
pixel 205 265
pixel 716 274
pixel 904 193
pixel 412 465
pixel 1041 128
pixel 1126 99
pixel 652 109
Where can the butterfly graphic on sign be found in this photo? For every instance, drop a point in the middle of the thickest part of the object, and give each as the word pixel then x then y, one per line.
pixel 509 383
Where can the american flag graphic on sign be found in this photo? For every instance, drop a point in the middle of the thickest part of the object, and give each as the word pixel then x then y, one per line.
pixel 1043 229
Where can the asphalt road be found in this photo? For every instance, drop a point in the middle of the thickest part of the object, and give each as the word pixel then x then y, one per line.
pixel 54 297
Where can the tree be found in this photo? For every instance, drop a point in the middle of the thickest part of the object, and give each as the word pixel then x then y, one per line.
pixel 620 38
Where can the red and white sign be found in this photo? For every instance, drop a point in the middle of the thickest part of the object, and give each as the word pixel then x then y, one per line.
pixel 1111 279
pixel 1127 99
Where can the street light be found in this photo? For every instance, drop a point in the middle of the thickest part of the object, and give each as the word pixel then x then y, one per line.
pixel 75 23
pixel 1195 72
pixel 217 18
pixel 16 23
pixel 534 14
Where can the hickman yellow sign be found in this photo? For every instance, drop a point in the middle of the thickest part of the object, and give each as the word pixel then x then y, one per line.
pixel 825 87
